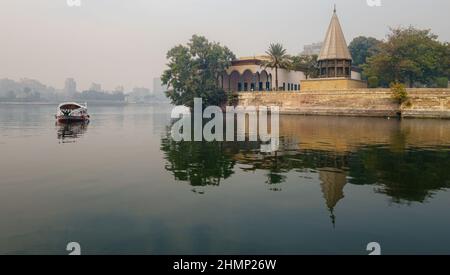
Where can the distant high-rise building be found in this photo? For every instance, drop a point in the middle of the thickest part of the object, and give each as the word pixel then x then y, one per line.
pixel 139 95
pixel 119 89
pixel 141 90
pixel 312 49
pixel 158 88
pixel 96 87
pixel 70 87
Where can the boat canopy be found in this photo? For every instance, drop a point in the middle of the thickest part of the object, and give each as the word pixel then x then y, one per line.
pixel 70 106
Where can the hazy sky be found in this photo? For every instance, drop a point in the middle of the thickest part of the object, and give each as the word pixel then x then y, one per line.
pixel 124 42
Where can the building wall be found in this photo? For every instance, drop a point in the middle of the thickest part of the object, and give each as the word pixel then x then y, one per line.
pixel 423 103
pixel 324 84
pixel 284 76
pixel 356 75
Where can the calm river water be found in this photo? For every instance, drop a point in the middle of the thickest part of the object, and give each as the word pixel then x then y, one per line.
pixel 122 185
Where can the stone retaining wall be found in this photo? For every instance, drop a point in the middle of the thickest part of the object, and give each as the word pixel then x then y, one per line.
pixel 423 103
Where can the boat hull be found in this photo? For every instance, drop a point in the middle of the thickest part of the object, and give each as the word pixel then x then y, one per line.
pixel 70 119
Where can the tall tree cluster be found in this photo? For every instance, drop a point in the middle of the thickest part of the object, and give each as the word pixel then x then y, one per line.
pixel 408 55
pixel 194 71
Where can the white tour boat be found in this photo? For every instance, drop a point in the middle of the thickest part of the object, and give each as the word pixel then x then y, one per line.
pixel 72 112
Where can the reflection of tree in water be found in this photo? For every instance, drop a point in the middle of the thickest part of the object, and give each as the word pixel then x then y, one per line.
pixel 274 164
pixel 403 173
pixel 274 178
pixel 69 132
pixel 199 163
pixel 413 175
pixel 398 141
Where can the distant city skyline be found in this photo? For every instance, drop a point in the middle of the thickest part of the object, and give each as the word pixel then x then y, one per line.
pixel 313 48
pixel 124 43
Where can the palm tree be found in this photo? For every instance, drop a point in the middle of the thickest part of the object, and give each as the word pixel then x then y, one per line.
pixel 278 58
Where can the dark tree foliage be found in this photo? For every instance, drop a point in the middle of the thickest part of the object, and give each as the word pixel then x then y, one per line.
pixel 195 70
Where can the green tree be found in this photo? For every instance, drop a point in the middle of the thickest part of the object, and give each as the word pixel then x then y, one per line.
pixel 409 56
pixel 307 64
pixel 443 66
pixel 195 71
pixel 362 48
pixel 278 58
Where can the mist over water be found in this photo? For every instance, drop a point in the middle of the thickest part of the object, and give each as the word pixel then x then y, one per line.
pixel 120 184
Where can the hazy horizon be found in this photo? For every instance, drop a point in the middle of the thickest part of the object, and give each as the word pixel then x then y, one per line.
pixel 115 42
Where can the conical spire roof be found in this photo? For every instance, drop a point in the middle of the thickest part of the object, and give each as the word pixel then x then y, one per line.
pixel 335 46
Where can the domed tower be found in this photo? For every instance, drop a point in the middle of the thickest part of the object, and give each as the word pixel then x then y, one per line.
pixel 335 59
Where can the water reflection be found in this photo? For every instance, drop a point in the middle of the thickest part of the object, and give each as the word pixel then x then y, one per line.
pixel 70 132
pixel 332 184
pixel 375 179
pixel 199 163
pixel 405 160
pixel 412 175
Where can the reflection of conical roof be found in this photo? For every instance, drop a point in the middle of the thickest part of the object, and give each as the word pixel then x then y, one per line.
pixel 333 182
pixel 334 45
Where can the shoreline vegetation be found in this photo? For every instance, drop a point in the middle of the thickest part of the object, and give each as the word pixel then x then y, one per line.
pixel 408 58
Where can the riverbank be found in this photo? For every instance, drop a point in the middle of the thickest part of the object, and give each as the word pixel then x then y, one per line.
pixel 422 103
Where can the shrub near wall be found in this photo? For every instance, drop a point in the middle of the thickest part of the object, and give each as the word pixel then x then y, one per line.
pixel 399 92
pixel 373 82
pixel 442 82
